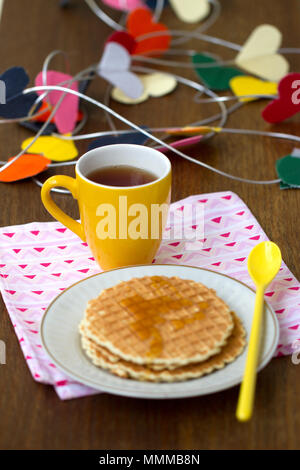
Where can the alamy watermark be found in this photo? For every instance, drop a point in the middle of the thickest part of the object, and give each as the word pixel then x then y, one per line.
pixel 2 92
pixel 296 353
pixel 296 94
pixel 141 221
pixel 2 353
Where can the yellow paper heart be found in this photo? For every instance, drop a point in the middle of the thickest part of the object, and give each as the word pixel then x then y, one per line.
pixel 191 11
pixel 155 85
pixel 53 148
pixel 259 54
pixel 243 86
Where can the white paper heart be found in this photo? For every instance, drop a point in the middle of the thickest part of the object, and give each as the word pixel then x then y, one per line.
pixel 191 11
pixel 115 68
pixel 259 54
pixel 155 84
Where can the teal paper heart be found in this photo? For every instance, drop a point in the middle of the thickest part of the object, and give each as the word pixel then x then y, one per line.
pixel 288 170
pixel 216 78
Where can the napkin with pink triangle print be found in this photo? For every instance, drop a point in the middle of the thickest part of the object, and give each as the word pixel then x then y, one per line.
pixel 39 260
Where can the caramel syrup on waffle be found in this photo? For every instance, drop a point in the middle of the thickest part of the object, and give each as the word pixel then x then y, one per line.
pixel 149 313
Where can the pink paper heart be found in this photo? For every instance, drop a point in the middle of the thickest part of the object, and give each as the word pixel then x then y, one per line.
pixel 66 115
pixel 124 5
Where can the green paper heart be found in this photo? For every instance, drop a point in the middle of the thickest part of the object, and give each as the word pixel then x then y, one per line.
pixel 216 78
pixel 287 186
pixel 288 170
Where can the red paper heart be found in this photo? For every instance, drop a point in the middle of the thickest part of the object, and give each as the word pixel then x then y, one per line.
pixel 288 102
pixel 25 166
pixel 139 23
pixel 125 39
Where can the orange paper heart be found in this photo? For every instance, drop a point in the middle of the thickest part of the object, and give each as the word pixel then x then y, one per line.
pixel 139 23
pixel 25 166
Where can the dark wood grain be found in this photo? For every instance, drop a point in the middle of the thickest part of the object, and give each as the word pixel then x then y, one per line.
pixel 31 415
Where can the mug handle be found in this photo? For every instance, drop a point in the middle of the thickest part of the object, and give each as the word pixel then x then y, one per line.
pixel 70 184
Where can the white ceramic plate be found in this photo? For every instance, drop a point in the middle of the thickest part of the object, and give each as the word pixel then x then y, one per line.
pixel 60 337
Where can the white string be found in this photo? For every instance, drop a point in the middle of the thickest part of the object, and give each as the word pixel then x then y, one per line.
pixel 108 117
pixel 160 4
pixel 103 16
pixel 277 135
pixel 151 136
pixel 289 50
pixel 211 20
pixel 222 115
pixel 186 65
pixel 94 135
pixel 206 38
pixel 232 98
pixel 196 86
pixel 191 35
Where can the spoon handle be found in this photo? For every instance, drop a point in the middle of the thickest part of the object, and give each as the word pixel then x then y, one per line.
pixel 247 390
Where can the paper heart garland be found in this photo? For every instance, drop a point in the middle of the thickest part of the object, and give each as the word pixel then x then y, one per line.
pixel 155 85
pixel 115 68
pixel 25 166
pixel 216 78
pixel 136 138
pixel 244 86
pixel 288 102
pixel 259 54
pixel 139 23
pixel 17 105
pixel 66 116
pixel 191 11
pixel 53 148
pixel 288 170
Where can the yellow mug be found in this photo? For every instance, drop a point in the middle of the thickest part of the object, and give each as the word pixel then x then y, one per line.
pixel 122 225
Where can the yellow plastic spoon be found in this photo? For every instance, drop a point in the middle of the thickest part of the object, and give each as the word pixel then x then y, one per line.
pixel 263 264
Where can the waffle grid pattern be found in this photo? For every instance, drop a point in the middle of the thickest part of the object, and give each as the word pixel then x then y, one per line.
pixel 125 319
pixel 101 357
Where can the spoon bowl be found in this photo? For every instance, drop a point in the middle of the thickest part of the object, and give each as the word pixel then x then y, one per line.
pixel 264 262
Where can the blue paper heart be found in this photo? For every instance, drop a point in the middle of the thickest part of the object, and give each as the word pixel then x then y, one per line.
pixel 127 138
pixel 152 3
pixel 17 105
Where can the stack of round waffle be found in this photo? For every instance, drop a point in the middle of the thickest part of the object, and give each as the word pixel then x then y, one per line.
pixel 160 329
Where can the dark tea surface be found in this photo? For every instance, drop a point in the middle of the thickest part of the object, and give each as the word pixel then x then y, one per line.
pixel 121 175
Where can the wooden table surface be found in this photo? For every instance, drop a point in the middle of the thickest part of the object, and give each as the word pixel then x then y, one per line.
pixel 31 415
